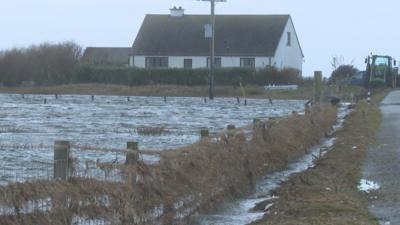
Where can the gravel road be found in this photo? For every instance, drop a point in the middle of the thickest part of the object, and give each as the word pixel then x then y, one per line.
pixel 382 164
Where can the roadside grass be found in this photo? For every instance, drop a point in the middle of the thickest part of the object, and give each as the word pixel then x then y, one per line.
pixel 328 193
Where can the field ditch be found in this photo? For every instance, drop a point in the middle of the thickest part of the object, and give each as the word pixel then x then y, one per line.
pixel 328 193
pixel 186 181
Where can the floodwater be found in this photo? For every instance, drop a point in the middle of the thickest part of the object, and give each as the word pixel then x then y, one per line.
pixel 30 124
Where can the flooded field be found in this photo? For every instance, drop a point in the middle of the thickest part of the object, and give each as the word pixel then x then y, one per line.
pixel 30 124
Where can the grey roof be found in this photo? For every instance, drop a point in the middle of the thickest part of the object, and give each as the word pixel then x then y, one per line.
pixel 106 56
pixel 236 35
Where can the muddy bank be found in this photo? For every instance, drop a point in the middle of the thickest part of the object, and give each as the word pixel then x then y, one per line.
pixel 187 180
pixel 328 193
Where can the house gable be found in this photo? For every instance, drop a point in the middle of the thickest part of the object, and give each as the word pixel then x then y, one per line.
pixel 289 53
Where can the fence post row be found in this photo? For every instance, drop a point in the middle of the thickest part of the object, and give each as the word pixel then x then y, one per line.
pixel 61 157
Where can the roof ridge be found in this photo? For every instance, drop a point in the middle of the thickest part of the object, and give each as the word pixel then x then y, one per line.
pixel 150 14
pixel 107 47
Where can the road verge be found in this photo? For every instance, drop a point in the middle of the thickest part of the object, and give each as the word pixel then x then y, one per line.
pixel 328 193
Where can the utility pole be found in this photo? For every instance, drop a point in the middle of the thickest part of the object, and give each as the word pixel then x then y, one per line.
pixel 212 47
pixel 212 50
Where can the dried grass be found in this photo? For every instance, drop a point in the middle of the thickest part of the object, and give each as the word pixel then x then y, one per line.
pixel 187 180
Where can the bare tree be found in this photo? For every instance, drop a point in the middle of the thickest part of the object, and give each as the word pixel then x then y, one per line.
pixel 338 61
pixel 43 64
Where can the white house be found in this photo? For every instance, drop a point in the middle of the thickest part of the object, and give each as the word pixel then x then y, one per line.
pixel 178 41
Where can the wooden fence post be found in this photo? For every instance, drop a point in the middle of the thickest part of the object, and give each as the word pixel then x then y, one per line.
pixel 61 159
pixel 204 133
pixel 231 127
pixel 317 85
pixel 256 122
pixel 132 155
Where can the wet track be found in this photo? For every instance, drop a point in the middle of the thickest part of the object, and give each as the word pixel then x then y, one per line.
pixel 382 165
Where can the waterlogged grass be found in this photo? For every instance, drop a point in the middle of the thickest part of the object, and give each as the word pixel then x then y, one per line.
pixel 151 131
pixel 250 91
pixel 328 193
pixel 147 90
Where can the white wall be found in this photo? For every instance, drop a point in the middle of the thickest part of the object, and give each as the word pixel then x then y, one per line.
pixel 262 62
pixel 289 56
pixel 230 62
pixel 140 61
pixel 201 61
pixel 131 61
pixel 197 61
pixel 174 61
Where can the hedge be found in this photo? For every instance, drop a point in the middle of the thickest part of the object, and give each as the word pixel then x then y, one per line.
pixel 189 77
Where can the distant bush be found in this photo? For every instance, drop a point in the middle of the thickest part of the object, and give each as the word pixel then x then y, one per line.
pixel 189 77
pixel 39 64
pixel 342 73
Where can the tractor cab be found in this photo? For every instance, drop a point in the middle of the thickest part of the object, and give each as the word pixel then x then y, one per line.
pixel 381 71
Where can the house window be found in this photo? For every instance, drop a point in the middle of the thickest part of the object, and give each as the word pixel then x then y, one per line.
pixel 217 61
pixel 156 62
pixel 289 39
pixel 188 63
pixel 248 62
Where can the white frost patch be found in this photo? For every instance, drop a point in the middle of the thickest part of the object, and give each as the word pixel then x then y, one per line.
pixel 268 206
pixel 88 221
pixel 368 186
pixel 240 214
pixel 150 159
pixel 384 222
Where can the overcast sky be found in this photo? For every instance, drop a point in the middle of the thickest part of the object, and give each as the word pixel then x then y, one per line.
pixel 326 28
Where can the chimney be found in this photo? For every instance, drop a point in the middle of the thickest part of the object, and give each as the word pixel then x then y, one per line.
pixel 177 12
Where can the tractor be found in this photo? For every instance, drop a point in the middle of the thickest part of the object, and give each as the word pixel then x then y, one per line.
pixel 380 72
